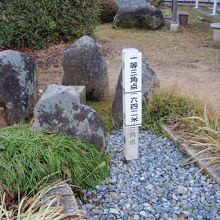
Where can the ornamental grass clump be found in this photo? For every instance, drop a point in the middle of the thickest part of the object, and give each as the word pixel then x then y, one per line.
pixel 186 118
pixel 29 159
pixel 165 107
pixel 205 137
pixel 37 207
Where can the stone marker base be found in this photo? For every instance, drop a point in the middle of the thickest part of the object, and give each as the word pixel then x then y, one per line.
pixel 216 36
pixel 131 142
pixel 174 26
pixel 216 33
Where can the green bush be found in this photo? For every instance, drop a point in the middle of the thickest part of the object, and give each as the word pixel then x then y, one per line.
pixel 108 10
pixel 30 159
pixel 157 3
pixel 35 23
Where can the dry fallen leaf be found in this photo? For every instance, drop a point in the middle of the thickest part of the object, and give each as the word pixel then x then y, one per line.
pixel 181 217
pixel 31 200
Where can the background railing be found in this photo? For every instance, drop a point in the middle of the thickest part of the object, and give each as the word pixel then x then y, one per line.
pixel 193 2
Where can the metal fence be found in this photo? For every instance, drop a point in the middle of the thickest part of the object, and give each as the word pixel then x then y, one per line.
pixel 208 2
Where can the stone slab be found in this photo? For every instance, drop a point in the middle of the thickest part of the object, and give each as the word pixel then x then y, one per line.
pixel 215 25
pixel 174 27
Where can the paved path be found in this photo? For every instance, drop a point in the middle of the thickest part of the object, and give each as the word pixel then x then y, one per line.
pixel 128 3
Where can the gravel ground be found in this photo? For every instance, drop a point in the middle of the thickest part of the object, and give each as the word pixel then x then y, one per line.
pixel 156 186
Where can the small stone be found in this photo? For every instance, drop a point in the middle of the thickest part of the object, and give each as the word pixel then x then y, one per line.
pixel 184 202
pixel 147 204
pixel 143 213
pixel 193 196
pixel 105 211
pixel 88 206
pixel 96 211
pixel 136 217
pixel 165 216
pixel 128 206
pixel 186 213
pixel 174 197
pixel 149 187
pixel 181 190
pixel 114 211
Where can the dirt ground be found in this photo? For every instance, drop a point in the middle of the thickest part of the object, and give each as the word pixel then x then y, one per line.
pixel 187 60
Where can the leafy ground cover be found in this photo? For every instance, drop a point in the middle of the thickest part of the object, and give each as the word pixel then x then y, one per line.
pixel 31 159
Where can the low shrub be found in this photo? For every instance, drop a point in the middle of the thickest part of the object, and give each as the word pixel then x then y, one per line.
pixel 108 9
pixel 29 159
pixel 35 23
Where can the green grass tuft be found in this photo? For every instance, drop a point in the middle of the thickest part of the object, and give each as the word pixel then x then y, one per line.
pixel 166 107
pixel 29 159
pixel 186 117
pixel 104 109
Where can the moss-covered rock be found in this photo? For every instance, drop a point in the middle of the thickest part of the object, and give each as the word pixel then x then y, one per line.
pixel 146 17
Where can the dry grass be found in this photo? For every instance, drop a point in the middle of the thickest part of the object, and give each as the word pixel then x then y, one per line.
pixel 187 58
pixel 38 207
pixel 204 137
pixel 192 123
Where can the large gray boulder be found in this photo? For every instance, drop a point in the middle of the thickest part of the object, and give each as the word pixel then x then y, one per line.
pixel 84 65
pixel 147 17
pixel 60 110
pixel 131 3
pixel 149 83
pixel 18 86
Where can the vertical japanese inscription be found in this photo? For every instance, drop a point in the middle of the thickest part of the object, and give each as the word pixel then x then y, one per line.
pixel 132 100
pixel 133 109
pixel 132 86
pixel 132 71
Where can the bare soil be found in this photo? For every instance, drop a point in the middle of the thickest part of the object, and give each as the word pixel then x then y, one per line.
pixel 187 60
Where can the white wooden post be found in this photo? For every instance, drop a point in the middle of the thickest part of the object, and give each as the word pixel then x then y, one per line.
pixel 214 7
pixel 197 4
pixel 132 100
